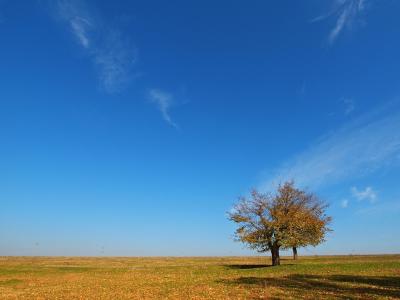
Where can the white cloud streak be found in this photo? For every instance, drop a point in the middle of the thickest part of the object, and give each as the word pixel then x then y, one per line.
pixel 112 55
pixel 80 27
pixel 344 203
pixel 164 101
pixel 346 13
pixel 341 21
pixel 367 194
pixel 370 143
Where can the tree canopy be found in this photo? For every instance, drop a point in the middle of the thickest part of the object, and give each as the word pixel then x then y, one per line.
pixel 288 218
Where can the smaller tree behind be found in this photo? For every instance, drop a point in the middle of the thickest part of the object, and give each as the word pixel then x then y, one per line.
pixel 306 219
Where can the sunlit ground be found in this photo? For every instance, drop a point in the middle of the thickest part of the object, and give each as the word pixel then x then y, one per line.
pixel 335 277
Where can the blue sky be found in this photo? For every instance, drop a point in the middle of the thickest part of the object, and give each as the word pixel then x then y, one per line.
pixel 131 127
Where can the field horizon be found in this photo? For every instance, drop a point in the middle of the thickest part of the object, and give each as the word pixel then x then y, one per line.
pixel 234 277
pixel 267 255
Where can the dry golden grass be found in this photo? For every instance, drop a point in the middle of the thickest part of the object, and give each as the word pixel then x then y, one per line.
pixel 335 277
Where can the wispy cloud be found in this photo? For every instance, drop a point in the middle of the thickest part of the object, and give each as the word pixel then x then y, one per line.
pixel 367 194
pixel 111 53
pixel 349 105
pixel 346 13
pixel 357 149
pixel 164 101
pixel 344 203
pixel 80 27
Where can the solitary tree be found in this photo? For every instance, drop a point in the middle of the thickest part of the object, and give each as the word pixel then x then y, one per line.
pixel 287 219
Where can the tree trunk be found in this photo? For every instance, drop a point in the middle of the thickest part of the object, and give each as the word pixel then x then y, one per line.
pixel 276 261
pixel 294 253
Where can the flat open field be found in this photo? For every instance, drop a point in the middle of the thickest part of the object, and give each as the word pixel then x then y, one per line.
pixel 334 277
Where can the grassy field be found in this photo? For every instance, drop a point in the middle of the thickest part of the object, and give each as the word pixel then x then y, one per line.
pixel 334 277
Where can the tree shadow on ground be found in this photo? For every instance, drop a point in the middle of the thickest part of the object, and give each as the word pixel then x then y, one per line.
pixel 244 266
pixel 249 266
pixel 331 286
